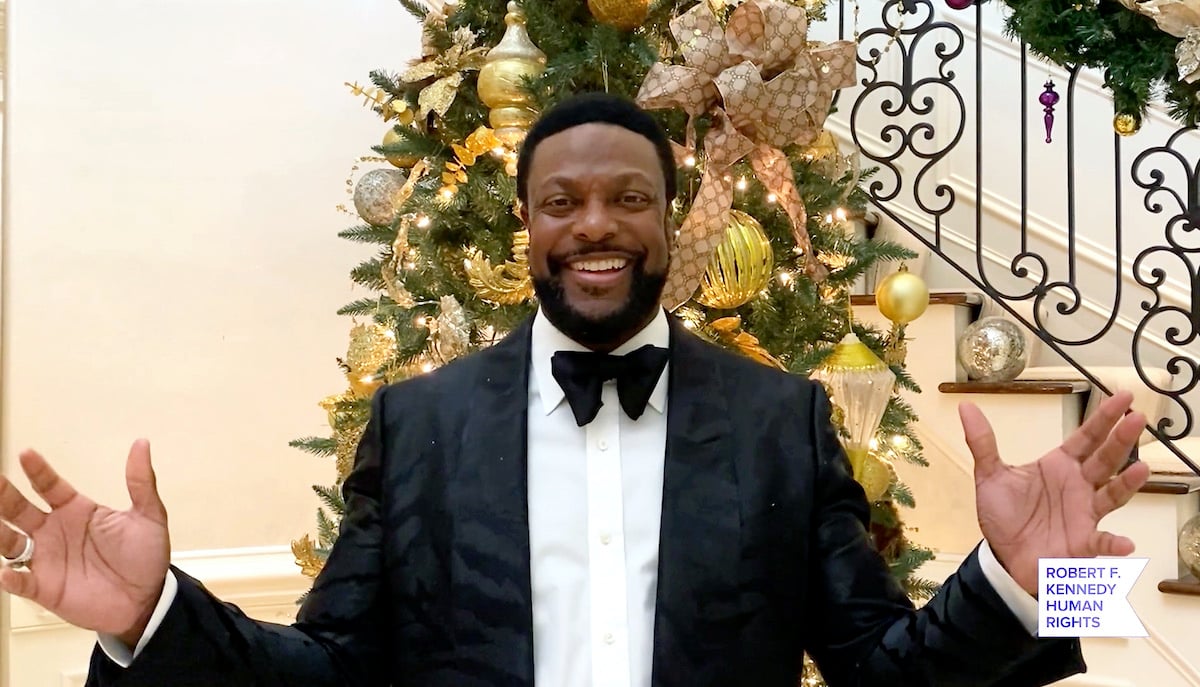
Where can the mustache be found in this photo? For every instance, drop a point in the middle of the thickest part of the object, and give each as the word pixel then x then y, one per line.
pixel 636 255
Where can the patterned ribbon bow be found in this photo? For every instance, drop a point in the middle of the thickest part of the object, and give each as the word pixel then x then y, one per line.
pixel 765 87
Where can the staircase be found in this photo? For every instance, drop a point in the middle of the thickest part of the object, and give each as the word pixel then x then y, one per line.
pixel 1086 241
pixel 1031 417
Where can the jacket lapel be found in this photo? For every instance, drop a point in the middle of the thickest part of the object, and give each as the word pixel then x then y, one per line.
pixel 697 597
pixel 492 587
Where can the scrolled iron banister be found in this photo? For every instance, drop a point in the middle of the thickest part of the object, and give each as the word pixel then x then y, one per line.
pixel 908 153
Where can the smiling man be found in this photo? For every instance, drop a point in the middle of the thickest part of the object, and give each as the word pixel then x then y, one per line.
pixel 601 499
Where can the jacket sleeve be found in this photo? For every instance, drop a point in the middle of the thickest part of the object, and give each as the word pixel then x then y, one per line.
pixel 868 632
pixel 336 640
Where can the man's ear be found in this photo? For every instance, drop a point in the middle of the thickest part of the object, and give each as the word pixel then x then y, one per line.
pixel 522 213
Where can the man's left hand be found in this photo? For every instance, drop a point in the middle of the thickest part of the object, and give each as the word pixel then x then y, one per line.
pixel 1051 508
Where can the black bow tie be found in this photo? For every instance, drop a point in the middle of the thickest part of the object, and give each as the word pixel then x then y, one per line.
pixel 582 374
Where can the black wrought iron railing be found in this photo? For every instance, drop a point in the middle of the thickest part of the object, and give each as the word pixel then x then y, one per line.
pixel 1090 238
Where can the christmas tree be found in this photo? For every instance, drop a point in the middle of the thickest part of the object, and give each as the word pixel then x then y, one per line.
pixel 766 254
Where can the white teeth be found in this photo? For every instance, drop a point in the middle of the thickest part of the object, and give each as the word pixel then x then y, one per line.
pixel 600 265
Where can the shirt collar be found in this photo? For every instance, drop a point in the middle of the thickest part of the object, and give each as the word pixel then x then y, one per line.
pixel 547 340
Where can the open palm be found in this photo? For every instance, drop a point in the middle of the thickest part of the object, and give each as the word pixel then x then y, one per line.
pixel 94 567
pixel 1052 508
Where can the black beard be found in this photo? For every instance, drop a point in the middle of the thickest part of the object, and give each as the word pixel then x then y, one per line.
pixel 609 331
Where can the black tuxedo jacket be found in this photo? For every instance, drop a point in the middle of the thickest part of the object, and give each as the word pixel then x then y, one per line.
pixel 763 555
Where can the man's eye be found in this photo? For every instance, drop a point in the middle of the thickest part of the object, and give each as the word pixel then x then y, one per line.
pixel 634 199
pixel 559 202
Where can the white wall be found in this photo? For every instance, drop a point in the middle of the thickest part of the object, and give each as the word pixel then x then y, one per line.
pixel 171 264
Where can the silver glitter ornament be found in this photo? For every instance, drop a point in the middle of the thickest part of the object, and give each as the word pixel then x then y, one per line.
pixel 1189 545
pixel 993 350
pixel 375 195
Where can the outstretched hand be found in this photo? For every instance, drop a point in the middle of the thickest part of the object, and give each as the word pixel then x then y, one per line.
pixel 94 567
pixel 1052 508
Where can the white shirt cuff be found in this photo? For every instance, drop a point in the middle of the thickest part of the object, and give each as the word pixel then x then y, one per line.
pixel 116 649
pixel 1019 601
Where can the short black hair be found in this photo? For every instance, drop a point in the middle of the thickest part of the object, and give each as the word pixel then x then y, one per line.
pixel 602 108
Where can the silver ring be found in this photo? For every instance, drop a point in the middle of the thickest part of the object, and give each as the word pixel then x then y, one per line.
pixel 23 559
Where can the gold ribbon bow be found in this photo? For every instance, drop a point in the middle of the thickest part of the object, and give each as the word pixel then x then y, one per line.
pixel 766 87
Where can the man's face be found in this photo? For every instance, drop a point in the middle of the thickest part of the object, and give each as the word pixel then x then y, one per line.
pixel 598 232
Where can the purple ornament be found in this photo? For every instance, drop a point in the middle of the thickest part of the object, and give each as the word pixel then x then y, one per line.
pixel 959 4
pixel 1048 99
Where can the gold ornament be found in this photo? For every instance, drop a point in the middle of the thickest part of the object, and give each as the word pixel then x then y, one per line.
pixel 371 348
pixel 346 448
pixel 446 68
pixel 876 477
pixel 306 556
pixel 391 138
pixel 502 79
pixel 825 146
pixel 729 331
pixel 740 266
pixel 860 384
pixel 450 332
pixel 902 297
pixel 626 15
pixel 1127 124
pixel 507 284
pixel 338 411
pixel 387 106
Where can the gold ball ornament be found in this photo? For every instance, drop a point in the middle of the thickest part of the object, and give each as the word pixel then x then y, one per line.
pixel 400 161
pixel 1127 124
pixel 902 297
pixel 875 476
pixel 502 78
pixel 740 266
pixel 626 15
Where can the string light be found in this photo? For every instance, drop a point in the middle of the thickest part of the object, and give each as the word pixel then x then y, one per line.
pixel 447 193
pixel 423 221
pixel 427 367
pixel 366 379
pixel 741 184
pixel 689 161
pixel 841 215
pixel 421 321
pixel 785 277
pixel 771 198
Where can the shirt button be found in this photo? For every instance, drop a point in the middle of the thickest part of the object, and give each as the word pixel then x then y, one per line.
pixel 605 539
pixel 602 445
pixel 609 638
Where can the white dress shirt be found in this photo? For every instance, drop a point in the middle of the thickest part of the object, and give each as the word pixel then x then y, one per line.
pixel 595 503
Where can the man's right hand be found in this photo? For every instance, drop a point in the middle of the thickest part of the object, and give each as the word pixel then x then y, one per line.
pixel 94 567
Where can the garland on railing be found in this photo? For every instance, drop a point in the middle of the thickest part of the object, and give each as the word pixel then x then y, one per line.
pixel 1147 49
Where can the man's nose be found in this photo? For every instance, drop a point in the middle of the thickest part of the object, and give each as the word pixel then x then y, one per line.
pixel 596 223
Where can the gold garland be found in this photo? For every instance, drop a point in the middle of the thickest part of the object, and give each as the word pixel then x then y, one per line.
pixel 506 284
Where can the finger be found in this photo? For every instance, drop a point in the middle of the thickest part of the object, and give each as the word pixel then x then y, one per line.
pixel 56 491
pixel 17 509
pixel 17 583
pixel 1083 441
pixel 1120 489
pixel 1114 452
pixel 981 439
pixel 1109 544
pixel 142 484
pixel 12 542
